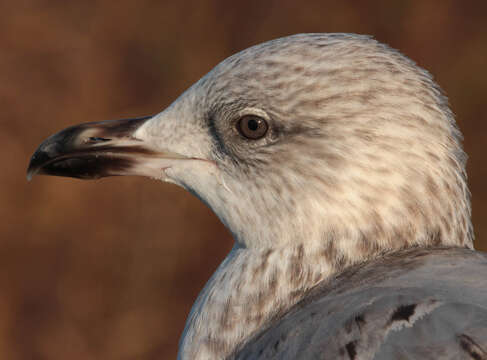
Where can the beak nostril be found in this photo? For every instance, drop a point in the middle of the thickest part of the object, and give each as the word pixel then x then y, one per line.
pixel 96 139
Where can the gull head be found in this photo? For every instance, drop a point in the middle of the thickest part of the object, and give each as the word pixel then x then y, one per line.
pixel 333 141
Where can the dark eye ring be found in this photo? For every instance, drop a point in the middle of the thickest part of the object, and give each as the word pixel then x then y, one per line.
pixel 252 127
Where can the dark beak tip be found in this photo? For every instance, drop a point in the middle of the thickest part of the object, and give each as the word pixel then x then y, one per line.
pixel 30 175
pixel 36 161
pixel 32 168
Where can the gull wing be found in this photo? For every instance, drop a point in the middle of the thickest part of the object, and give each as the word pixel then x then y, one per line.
pixel 413 304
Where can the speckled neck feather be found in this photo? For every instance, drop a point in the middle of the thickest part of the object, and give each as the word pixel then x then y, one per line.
pixel 249 288
pixel 362 157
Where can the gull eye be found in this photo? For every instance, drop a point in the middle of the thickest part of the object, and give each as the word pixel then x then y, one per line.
pixel 252 127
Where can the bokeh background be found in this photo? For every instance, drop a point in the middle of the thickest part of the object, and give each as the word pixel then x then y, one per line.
pixel 109 269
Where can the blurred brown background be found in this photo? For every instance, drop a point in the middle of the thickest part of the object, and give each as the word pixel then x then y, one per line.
pixel 109 269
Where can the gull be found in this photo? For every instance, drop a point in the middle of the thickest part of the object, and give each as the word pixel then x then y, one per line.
pixel 337 165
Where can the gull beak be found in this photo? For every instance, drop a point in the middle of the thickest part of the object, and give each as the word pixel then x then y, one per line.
pixel 99 149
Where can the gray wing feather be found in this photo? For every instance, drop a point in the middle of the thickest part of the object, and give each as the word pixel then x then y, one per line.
pixel 414 304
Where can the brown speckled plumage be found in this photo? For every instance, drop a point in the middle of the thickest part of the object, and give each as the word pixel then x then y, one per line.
pixel 362 158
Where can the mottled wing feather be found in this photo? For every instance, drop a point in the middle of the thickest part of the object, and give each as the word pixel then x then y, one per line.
pixel 414 304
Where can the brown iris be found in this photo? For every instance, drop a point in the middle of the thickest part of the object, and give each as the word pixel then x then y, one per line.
pixel 252 127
